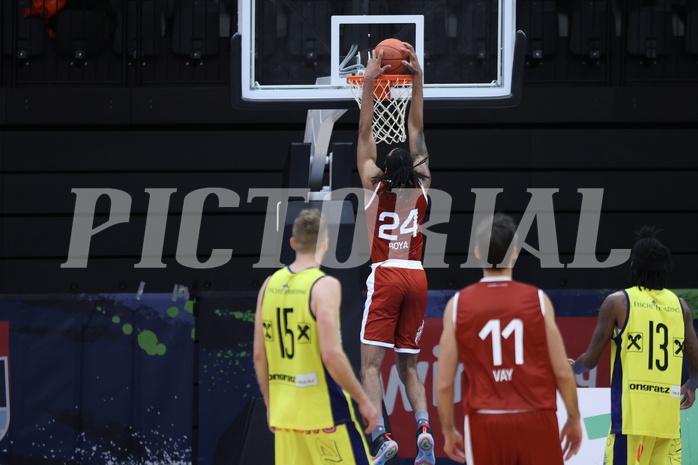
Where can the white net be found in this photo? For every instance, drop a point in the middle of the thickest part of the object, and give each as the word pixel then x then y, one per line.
pixel 391 94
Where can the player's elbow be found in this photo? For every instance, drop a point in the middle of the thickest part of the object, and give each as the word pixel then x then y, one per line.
pixel 331 356
pixel 443 386
pixel 565 377
pixel 258 356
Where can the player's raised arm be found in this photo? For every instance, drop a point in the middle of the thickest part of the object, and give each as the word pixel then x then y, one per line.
pixel 415 119
pixel 366 153
pixel 571 433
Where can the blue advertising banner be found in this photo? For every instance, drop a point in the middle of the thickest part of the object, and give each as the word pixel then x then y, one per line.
pixel 99 379
pixel 159 379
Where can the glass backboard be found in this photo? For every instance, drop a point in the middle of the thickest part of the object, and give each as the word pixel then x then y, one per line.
pixel 299 52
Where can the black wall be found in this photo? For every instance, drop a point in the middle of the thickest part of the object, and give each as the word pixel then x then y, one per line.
pixel 167 122
pixel 643 161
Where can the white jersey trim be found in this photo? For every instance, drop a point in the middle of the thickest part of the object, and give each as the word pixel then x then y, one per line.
pixel 468 441
pixel 402 350
pixel 370 282
pixel 491 279
pixel 497 412
pixel 370 287
pixel 375 193
pixel 541 299
pixel 399 263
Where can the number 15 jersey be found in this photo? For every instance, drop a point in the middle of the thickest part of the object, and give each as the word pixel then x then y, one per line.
pixel 646 362
pixel 302 394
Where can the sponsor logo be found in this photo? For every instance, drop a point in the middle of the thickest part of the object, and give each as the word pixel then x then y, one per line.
pixel 300 380
pixel 268 330
pixel 306 379
pixel 634 342
pixel 303 333
pixel 420 330
pixel 678 347
pixel 649 388
pixel 676 391
pixel 282 378
pixel 653 305
pixel 285 290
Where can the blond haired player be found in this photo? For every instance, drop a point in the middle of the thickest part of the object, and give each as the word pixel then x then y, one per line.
pixel 302 370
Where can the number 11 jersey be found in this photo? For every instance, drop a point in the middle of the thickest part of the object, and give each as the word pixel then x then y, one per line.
pixel 500 333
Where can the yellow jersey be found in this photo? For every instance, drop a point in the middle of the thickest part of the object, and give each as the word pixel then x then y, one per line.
pixel 302 394
pixel 646 361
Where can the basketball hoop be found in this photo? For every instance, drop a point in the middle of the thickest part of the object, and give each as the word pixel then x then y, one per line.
pixel 391 93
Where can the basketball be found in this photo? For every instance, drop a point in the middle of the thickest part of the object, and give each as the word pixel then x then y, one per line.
pixel 392 55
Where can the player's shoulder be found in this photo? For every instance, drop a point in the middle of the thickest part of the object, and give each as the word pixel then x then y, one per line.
pixel 368 171
pixel 616 304
pixel 616 298
pixel 281 272
pixel 514 285
pixel 327 282
pixel 523 285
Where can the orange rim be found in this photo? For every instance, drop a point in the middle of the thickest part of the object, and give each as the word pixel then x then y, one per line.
pixel 382 83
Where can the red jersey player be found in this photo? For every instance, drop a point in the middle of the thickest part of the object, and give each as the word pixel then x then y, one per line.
pixel 514 360
pixel 396 201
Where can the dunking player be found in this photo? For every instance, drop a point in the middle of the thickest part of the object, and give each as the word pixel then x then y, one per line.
pixel 651 329
pixel 303 373
pixel 504 333
pixel 395 203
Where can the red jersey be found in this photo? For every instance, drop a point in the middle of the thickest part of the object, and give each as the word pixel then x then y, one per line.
pixel 395 224
pixel 500 333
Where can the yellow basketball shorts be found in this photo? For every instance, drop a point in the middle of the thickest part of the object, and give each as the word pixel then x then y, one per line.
pixel 622 449
pixel 341 445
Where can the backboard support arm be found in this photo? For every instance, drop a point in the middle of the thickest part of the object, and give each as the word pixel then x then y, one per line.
pixel 318 130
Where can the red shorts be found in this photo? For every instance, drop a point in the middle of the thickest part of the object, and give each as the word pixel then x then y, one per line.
pixel 395 304
pixel 524 438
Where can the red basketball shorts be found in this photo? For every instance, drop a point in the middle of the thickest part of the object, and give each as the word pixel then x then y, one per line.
pixel 524 438
pixel 394 311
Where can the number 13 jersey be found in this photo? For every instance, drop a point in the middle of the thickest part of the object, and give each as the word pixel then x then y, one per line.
pixel 646 362
pixel 500 333
pixel 302 394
